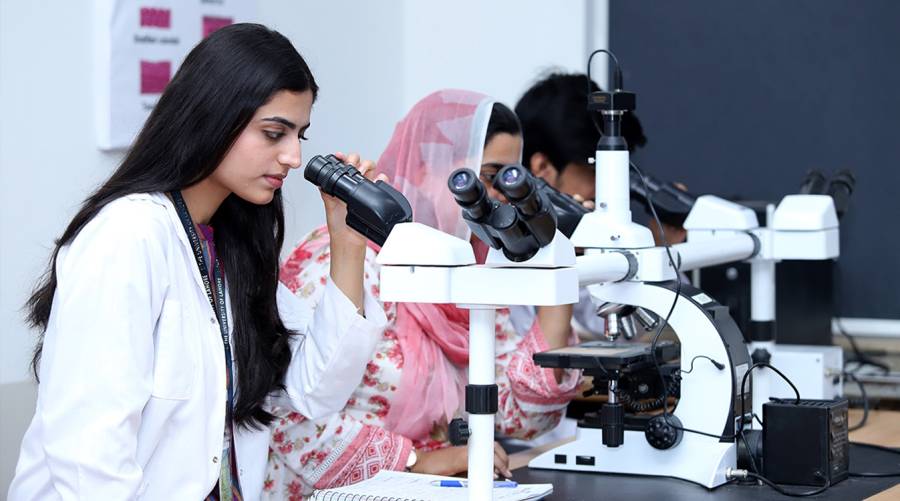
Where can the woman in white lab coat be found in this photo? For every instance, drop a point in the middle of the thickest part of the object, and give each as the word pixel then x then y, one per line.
pixel 165 334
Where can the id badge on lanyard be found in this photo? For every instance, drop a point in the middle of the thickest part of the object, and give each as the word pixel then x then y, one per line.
pixel 217 301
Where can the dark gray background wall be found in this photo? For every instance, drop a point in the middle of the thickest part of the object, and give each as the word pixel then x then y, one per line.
pixel 742 98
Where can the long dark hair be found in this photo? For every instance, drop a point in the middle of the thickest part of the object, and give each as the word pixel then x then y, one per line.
pixel 215 93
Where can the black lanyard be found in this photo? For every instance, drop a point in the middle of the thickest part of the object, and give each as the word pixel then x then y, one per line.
pixel 217 302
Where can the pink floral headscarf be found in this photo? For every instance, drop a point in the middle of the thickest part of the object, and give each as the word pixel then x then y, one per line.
pixel 444 131
pixel 441 133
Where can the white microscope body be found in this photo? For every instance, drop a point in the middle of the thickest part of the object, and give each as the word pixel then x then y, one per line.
pixel 621 266
pixel 711 399
pixel 423 265
pixel 708 395
pixel 802 227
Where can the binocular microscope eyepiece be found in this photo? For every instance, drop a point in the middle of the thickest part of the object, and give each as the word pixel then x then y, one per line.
pixel 519 228
pixel 373 208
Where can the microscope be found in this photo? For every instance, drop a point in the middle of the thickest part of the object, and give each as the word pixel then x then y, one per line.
pixel 529 263
pixel 805 229
pixel 628 277
pixel 633 283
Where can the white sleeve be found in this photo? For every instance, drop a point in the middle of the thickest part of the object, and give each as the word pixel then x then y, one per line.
pixel 96 369
pixel 331 351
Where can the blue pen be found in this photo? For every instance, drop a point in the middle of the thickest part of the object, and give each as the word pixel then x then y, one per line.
pixel 463 483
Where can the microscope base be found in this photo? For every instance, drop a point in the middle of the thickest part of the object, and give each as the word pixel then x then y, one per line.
pixel 698 459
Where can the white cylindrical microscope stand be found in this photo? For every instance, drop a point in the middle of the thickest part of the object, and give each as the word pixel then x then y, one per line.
pixel 762 312
pixel 762 316
pixel 482 340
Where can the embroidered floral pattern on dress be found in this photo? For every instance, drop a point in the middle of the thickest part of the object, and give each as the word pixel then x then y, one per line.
pixel 353 445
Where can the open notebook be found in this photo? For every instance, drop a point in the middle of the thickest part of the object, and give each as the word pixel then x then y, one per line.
pixel 401 486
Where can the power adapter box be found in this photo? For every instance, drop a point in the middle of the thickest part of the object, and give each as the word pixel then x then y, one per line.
pixel 806 442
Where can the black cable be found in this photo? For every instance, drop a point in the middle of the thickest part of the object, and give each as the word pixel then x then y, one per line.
pixel 761 478
pixel 665 321
pixel 773 485
pixel 851 339
pixel 757 418
pixel 865 399
pixel 749 451
pixel 860 359
pixel 617 71
pixel 719 365
pixel 755 474
pixel 744 383
pixel 616 84
pixel 768 366
pixel 743 410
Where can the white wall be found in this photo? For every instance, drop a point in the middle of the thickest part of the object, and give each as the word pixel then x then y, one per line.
pixel 493 47
pixel 372 60
pixel 48 161
pixel 355 50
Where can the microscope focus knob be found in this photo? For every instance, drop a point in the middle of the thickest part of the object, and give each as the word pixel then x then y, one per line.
pixel 664 432
pixel 612 424
pixel 761 356
pixel 459 431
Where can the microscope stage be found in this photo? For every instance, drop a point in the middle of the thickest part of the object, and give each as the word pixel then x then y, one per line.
pixel 606 355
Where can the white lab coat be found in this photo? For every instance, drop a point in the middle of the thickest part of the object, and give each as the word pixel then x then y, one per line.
pixel 132 396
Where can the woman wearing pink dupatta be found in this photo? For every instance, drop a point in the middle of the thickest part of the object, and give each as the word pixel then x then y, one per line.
pixel 414 382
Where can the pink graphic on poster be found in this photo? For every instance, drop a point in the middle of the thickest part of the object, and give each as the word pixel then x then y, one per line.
pixel 138 48
pixel 213 23
pixel 156 18
pixel 154 76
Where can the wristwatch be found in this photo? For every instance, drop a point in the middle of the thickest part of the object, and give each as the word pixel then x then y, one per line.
pixel 411 460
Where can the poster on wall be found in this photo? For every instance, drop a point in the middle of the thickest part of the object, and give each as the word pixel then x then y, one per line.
pixel 139 45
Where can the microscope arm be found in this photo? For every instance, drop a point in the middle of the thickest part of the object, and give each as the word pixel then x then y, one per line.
pixel 702 253
pixel 605 267
pixel 652 264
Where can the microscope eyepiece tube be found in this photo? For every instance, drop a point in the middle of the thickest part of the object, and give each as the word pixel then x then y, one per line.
pixel 373 208
pixel 333 176
pixel 518 186
pixel 470 194
pixel 464 186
